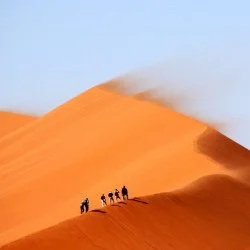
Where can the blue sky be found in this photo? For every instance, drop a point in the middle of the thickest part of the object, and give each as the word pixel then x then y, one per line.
pixel 51 50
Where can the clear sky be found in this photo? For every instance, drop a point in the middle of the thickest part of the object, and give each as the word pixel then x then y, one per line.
pixel 52 50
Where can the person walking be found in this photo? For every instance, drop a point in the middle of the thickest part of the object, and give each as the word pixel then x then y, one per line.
pixel 117 196
pixel 87 204
pixel 82 206
pixel 124 193
pixel 84 203
pixel 111 199
pixel 103 200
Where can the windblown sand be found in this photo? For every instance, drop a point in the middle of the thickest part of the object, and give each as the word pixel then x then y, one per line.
pixel 191 182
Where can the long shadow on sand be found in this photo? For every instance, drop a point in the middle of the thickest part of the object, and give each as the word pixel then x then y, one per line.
pixel 98 211
pixel 117 205
pixel 139 200
pixel 223 150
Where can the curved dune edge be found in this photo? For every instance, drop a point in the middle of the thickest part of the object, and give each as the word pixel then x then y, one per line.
pixel 10 121
pixel 132 142
pixel 202 216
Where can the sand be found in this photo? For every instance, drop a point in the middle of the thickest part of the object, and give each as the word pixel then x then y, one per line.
pixel 100 141
pixel 199 217
pixel 11 121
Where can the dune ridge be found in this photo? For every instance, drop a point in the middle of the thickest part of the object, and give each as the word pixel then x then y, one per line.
pixel 161 221
pixel 11 121
pixel 98 141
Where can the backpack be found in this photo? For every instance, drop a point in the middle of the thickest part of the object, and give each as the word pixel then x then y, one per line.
pixel 110 194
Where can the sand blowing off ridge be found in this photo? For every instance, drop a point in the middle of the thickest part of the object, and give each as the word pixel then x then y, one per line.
pixel 102 140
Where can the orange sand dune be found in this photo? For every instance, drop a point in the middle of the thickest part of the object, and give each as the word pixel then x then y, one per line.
pixel 94 143
pixel 11 121
pixel 200 216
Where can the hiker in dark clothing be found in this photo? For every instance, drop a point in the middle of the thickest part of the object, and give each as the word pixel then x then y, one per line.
pixel 87 204
pixel 117 196
pixel 111 199
pixel 124 193
pixel 103 200
pixel 82 207
pixel 84 203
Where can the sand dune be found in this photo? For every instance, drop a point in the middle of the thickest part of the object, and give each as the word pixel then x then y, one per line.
pixel 101 140
pixel 11 121
pixel 201 216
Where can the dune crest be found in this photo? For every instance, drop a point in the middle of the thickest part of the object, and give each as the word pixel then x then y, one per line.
pixel 94 143
pixel 160 221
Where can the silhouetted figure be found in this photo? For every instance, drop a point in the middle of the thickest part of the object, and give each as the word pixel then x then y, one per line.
pixel 82 206
pixel 124 193
pixel 117 196
pixel 84 203
pixel 111 199
pixel 103 200
pixel 87 204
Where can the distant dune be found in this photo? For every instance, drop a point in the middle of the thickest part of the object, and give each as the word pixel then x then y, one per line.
pixel 11 121
pixel 100 141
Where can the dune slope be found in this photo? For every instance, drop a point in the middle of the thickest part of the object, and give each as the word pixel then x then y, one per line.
pixel 11 121
pixel 92 144
pixel 200 216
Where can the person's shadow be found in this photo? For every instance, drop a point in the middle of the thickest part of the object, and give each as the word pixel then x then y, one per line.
pixel 138 200
pixel 98 211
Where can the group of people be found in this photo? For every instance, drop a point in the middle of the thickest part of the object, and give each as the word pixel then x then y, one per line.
pixel 116 193
pixel 117 196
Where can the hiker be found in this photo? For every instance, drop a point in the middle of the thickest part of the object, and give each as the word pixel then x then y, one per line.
pixel 87 204
pixel 103 200
pixel 84 203
pixel 117 196
pixel 82 206
pixel 110 195
pixel 124 193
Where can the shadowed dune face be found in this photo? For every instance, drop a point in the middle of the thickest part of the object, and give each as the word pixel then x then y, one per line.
pixel 92 144
pixel 200 216
pixel 223 150
pixel 9 122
